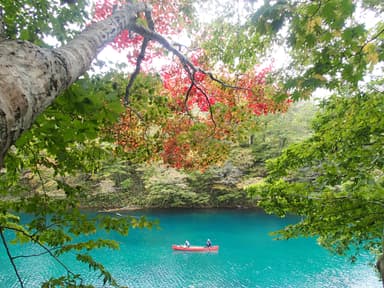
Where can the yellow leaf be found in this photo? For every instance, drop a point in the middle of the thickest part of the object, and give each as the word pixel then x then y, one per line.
pixel 313 23
pixel 320 77
pixel 371 53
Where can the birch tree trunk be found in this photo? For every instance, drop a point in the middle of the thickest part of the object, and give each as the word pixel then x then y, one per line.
pixel 32 77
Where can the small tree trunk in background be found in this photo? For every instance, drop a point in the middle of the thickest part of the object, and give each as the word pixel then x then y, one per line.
pixel 380 261
pixel 251 139
pixel 32 77
pixel 380 267
pixel 2 27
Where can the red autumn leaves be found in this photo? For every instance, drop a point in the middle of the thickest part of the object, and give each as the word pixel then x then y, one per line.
pixel 201 109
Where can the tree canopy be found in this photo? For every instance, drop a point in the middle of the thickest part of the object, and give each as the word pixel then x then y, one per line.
pixel 335 178
pixel 328 44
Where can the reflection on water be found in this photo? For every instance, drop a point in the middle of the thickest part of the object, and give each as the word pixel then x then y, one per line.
pixel 248 256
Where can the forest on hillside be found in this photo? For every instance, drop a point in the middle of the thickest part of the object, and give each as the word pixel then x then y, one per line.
pixel 121 184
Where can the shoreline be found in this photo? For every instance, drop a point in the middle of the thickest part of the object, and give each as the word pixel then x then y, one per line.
pixel 138 208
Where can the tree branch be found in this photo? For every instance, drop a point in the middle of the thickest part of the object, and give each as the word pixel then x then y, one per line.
pixel 11 259
pixel 140 58
pixel 188 66
pixel 135 73
pixel 370 40
pixel 48 251
pixel 195 84
pixel 32 255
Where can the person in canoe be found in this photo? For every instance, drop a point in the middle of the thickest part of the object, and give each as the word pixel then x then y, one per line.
pixel 208 243
pixel 187 243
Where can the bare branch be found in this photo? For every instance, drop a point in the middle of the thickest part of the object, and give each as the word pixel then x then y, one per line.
pixel 138 115
pixel 11 259
pixel 135 73
pixel 148 17
pixel 140 58
pixel 188 65
pixel 48 251
pixel 195 84
pixel 33 255
pixel 222 83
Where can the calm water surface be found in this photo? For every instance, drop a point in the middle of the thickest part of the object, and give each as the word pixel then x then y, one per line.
pixel 248 256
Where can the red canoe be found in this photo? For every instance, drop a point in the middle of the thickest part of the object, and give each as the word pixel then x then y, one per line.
pixel 195 248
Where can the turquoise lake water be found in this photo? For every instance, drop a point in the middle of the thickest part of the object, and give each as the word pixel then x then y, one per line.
pixel 248 256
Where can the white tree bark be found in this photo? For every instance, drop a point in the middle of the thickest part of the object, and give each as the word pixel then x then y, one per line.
pixel 31 77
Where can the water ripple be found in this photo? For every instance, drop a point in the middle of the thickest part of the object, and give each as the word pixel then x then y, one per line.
pixel 248 257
